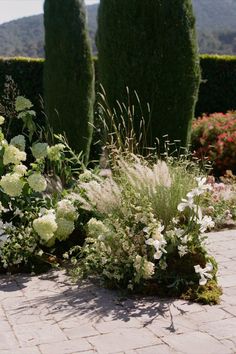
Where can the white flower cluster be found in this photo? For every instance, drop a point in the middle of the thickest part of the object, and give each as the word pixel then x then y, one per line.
pixel 12 184
pixel 54 152
pixel 37 182
pixel 21 169
pixel 56 224
pixel 205 222
pixel 2 120
pixel 144 267
pixel 46 226
pixel 39 150
pixel 22 104
pixel 12 155
pixel 19 142
pixel 66 215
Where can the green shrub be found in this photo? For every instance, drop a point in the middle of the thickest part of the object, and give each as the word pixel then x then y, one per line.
pixel 150 47
pixel 69 72
pixel 218 74
pixel 27 74
pixel 35 214
pixel 218 88
pixel 214 138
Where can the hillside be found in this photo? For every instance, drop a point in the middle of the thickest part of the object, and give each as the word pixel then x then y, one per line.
pixel 215 23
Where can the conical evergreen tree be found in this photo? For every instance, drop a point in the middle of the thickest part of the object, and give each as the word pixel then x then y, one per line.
pixel 68 72
pixel 150 46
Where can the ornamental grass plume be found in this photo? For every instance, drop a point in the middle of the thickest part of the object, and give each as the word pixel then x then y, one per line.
pixel 102 194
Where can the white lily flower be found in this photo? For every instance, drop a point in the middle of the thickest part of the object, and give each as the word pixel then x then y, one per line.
pixel 159 247
pixel 186 203
pixel 204 273
pixel 205 222
pixel 201 188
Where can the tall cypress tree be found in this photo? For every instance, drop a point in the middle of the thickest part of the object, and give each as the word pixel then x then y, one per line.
pixel 68 72
pixel 150 46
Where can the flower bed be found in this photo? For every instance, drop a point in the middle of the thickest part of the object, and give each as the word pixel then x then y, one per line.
pixel 147 233
pixel 214 138
pixel 145 221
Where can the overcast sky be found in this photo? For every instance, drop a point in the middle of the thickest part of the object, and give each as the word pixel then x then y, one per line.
pixel 13 9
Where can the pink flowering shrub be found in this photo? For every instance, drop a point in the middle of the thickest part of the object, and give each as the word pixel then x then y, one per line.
pixel 214 139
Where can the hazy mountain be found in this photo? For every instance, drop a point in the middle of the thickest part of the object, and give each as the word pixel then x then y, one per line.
pixel 216 26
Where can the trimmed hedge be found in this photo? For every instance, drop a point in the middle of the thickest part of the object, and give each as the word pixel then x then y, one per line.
pixel 217 91
pixel 27 74
pixel 218 87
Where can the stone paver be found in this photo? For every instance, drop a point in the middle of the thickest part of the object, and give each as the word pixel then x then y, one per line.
pixel 48 314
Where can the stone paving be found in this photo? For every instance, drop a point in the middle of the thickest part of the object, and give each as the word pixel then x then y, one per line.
pixel 47 314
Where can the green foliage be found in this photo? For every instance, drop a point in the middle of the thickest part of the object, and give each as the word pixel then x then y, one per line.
pixel 159 61
pixel 218 87
pixel 27 74
pixel 218 75
pixel 69 72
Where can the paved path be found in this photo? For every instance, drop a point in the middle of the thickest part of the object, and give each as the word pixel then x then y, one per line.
pixel 48 315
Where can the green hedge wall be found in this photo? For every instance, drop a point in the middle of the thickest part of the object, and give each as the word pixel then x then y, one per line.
pixel 218 87
pixel 217 90
pixel 27 74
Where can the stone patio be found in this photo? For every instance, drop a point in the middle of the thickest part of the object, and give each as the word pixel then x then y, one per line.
pixel 47 314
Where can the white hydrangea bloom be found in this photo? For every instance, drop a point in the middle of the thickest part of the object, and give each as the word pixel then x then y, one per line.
pixel 37 182
pixel 2 120
pixel 65 228
pixel 54 152
pixel 20 169
pixel 22 104
pixel 19 142
pixel 12 184
pixel 13 155
pixel 39 150
pixel 97 228
pixel 66 210
pixel 45 226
